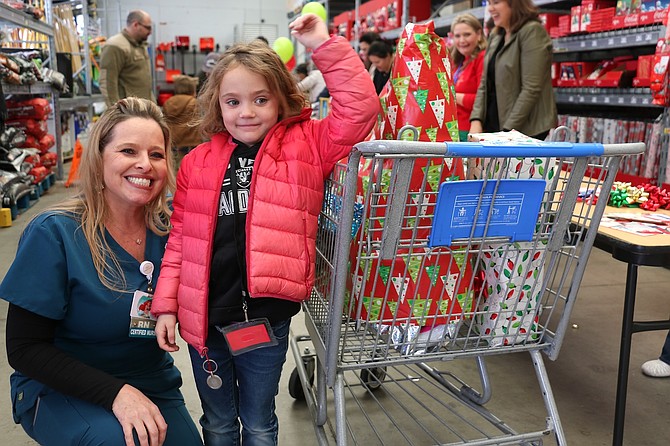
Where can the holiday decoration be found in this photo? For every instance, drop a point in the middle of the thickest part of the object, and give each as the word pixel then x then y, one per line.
pixel 315 8
pixel 513 272
pixel 420 90
pixel 284 48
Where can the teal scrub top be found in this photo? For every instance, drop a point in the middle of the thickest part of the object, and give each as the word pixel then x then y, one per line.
pixel 53 275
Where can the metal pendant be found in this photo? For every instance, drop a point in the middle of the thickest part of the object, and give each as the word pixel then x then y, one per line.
pixel 214 382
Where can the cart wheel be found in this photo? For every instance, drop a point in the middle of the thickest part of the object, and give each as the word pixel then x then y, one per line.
pixel 295 385
pixel 373 378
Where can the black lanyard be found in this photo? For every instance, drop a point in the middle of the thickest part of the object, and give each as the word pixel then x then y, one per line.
pixel 239 241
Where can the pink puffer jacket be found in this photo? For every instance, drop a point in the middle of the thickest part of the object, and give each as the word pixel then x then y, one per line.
pixel 285 198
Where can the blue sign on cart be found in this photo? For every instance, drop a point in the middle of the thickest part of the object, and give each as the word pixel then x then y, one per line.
pixel 501 208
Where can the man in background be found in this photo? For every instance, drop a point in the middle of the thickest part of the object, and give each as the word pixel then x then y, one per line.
pixel 125 65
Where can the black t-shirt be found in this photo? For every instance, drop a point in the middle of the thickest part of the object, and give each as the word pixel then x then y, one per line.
pixel 228 260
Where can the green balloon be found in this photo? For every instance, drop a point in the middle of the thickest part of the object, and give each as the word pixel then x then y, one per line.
pixel 284 48
pixel 315 8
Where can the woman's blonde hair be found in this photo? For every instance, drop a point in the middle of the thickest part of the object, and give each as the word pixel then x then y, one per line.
pixel 89 206
pixel 259 58
pixel 472 21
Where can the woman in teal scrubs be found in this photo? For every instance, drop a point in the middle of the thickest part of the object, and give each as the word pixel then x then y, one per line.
pixel 88 368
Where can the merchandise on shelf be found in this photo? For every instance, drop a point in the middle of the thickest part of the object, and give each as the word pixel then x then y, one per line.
pixel 572 72
pixel 615 131
pixel 660 73
pixel 643 74
pixel 380 16
pixel 36 12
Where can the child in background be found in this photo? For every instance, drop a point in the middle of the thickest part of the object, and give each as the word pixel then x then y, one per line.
pixel 180 113
pixel 310 82
pixel 240 257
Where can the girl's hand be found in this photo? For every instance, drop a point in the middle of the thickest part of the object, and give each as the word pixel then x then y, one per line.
pixel 310 30
pixel 138 413
pixel 165 332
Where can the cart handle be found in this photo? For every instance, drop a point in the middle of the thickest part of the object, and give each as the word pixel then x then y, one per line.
pixel 508 149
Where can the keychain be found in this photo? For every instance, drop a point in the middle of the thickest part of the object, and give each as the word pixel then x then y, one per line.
pixel 147 268
pixel 213 381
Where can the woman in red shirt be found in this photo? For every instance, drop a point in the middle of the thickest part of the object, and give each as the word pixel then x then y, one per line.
pixel 467 55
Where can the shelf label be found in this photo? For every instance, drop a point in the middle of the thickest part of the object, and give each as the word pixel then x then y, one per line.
pixel 610 41
pixel 581 99
pixel 606 100
pixel 620 100
pixel 638 38
pixel 594 43
pixel 571 99
pixel 633 100
pixel 594 99
pixel 582 44
pixel 624 40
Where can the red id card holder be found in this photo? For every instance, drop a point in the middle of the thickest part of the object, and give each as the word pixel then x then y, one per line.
pixel 249 335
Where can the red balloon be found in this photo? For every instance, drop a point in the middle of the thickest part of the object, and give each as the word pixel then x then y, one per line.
pixel 291 63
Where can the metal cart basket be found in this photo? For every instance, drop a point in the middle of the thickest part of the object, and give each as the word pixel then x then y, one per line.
pixel 410 275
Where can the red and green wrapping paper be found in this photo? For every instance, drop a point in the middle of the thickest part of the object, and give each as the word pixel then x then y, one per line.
pixel 413 287
pixel 420 91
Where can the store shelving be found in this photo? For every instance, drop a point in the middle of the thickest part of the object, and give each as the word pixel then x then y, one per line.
pixel 615 97
pixel 15 18
pixel 23 20
pixel 622 38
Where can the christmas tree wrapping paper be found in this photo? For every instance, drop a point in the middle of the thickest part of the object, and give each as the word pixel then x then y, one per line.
pixel 416 290
pixel 420 91
pixel 513 272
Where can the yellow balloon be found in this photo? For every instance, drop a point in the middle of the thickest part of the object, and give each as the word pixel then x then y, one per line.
pixel 315 8
pixel 284 48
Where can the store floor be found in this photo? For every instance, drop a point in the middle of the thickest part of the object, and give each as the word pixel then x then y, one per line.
pixel 583 378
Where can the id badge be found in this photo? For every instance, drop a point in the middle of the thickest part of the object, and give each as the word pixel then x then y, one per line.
pixel 243 337
pixel 142 322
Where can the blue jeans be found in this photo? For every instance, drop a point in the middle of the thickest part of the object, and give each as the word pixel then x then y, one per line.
pixel 247 396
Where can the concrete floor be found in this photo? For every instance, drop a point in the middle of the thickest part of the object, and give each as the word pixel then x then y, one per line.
pixel 583 378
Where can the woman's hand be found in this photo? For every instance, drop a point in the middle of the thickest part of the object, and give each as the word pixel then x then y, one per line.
pixel 137 412
pixel 310 30
pixel 476 126
pixel 165 332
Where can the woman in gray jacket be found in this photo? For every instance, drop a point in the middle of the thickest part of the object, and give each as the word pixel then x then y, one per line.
pixel 516 91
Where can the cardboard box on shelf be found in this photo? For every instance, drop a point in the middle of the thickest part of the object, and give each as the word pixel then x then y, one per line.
pixel 575 19
pixel 611 73
pixel 549 20
pixel 653 11
pixel 589 12
pixel 601 19
pixel 572 72
pixel 643 74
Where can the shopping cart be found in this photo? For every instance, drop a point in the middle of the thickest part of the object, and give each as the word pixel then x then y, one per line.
pixel 519 236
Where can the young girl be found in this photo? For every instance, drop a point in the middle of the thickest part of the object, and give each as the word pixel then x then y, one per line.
pixel 240 257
